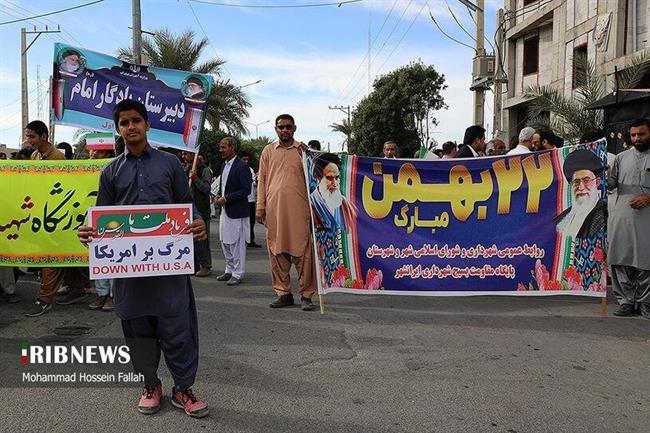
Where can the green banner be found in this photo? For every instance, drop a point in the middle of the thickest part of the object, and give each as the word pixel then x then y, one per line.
pixel 41 205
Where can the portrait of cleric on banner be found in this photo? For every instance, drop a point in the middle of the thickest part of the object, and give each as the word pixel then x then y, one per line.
pixel 332 213
pixel 584 223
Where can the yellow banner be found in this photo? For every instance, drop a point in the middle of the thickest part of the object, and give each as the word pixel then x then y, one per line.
pixel 41 205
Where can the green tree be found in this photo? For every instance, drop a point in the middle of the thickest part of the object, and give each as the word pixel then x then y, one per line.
pixel 344 128
pixel 227 104
pixel 209 147
pixel 400 107
pixel 570 117
pixel 254 146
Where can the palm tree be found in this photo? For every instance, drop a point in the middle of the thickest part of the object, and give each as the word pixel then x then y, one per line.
pixel 344 128
pixel 227 104
pixel 570 115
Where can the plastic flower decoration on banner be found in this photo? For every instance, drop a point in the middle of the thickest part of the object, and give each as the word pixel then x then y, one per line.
pixel 573 278
pixel 340 275
pixel 374 278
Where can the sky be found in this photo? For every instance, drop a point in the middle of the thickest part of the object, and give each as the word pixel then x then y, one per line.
pixel 307 58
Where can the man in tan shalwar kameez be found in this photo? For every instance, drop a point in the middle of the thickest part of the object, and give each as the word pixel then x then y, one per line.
pixel 283 207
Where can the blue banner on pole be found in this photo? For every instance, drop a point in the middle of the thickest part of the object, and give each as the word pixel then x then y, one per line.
pixel 87 86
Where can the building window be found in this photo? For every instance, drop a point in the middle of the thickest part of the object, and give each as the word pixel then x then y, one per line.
pixel 579 66
pixel 531 55
pixel 527 2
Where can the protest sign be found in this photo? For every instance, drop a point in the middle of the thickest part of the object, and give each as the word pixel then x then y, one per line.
pixel 87 86
pixel 511 225
pixel 41 206
pixel 141 241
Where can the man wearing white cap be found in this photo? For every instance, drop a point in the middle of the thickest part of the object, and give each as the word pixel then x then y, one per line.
pixel 525 142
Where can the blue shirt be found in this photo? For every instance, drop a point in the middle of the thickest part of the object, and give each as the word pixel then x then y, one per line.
pixel 154 177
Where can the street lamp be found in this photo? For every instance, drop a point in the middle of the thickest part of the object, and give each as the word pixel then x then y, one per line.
pixel 249 84
pixel 257 125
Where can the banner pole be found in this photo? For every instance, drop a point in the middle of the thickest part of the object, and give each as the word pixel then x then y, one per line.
pixel 196 158
pixel 603 307
pixel 321 303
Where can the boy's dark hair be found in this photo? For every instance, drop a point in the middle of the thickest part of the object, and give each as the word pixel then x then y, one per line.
pixel 285 117
pixel 126 105
pixel 314 144
pixel 38 127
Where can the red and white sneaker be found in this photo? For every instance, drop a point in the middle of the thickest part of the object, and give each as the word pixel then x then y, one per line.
pixel 150 401
pixel 189 403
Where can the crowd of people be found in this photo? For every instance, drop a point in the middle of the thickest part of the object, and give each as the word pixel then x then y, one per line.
pixel 162 309
pixel 628 178
pixel 475 145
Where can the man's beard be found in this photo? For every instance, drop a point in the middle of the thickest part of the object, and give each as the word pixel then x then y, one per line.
pixel 643 146
pixel 581 207
pixel 333 200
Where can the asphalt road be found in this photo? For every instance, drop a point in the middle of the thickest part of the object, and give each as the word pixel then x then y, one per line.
pixel 369 365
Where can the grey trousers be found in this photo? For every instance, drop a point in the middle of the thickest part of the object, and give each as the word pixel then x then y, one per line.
pixel 631 285
pixel 7 280
pixel 202 253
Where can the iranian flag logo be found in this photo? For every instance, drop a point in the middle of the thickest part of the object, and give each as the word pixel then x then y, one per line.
pixel 24 347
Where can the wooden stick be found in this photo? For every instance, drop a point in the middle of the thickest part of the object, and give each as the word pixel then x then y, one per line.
pixel 603 307
pixel 322 304
pixel 196 158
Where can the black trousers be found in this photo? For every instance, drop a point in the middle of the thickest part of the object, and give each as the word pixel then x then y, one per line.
pixel 178 339
pixel 251 216
pixel 202 253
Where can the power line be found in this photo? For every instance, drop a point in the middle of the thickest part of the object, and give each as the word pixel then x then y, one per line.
pixel 449 37
pixel 381 48
pixel 53 22
pixel 17 113
pixel 345 88
pixel 458 22
pixel 309 5
pixel 17 100
pixel 196 17
pixel 471 14
pixel 52 13
pixel 404 35
pixel 42 22
pixel 426 3
pixel 19 14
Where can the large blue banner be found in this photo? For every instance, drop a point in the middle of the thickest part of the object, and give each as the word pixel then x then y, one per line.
pixel 87 86
pixel 524 225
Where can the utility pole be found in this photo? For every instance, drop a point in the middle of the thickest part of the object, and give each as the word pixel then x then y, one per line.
pixel 137 32
pixel 39 95
pixel 23 69
pixel 369 43
pixel 498 75
pixel 479 93
pixel 23 78
pixel 257 125
pixel 346 110
pixel 49 111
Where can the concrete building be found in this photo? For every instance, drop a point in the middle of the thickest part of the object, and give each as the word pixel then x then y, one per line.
pixel 543 38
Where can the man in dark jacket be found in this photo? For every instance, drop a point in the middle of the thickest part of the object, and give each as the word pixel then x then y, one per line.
pixel 234 229
pixel 473 142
